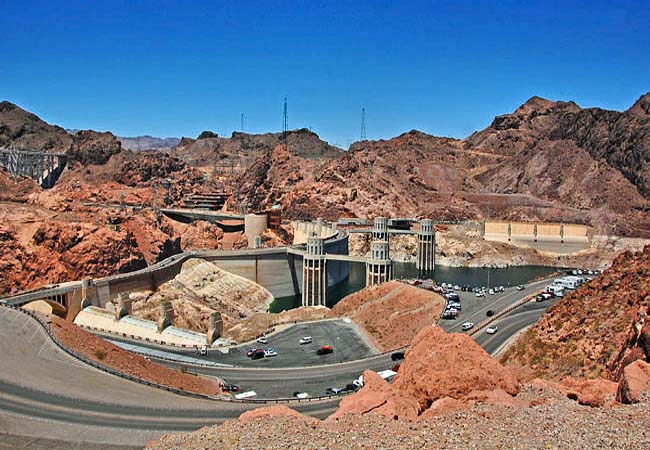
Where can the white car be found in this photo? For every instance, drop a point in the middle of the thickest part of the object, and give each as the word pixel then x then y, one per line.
pixel 480 294
pixel 301 395
pixel 262 340
pixel 491 292
pixel 467 326
pixel 203 351
pixel 491 329
pixel 305 340
pixel 270 352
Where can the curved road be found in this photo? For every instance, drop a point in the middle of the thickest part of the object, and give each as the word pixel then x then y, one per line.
pixel 79 403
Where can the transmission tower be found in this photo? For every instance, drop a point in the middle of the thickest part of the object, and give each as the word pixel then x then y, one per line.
pixel 242 122
pixel 285 121
pixel 363 124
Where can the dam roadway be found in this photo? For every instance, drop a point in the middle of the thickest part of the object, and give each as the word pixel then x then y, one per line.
pixel 48 395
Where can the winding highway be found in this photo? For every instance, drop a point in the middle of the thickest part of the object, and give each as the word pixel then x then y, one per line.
pixel 48 395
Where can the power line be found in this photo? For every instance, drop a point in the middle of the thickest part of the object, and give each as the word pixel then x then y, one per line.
pixel 363 124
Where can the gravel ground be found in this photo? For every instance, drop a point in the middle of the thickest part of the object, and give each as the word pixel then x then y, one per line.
pixel 555 423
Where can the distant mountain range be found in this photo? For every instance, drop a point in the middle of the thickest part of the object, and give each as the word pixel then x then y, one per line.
pixel 141 143
pixel 148 142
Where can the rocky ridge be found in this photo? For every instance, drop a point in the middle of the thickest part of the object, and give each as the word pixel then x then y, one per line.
pixel 594 331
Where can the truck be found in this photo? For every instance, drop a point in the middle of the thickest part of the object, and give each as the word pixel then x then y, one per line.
pixel 556 290
pixel 565 283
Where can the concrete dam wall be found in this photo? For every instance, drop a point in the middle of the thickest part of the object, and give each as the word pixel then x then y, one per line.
pixel 274 268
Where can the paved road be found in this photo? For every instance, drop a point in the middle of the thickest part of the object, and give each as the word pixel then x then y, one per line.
pixel 46 393
pixel 343 335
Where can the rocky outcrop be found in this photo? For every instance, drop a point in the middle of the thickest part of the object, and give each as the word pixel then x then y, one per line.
pixel 596 330
pixel 634 383
pixel 437 366
pixel 200 289
pixel 392 313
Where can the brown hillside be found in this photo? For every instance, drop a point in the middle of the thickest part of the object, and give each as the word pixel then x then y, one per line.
pixel 391 313
pixel 596 330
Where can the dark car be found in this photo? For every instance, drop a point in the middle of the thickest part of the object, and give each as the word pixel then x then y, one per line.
pixel 397 356
pixel 258 353
pixel 324 350
pixel 396 367
pixel 231 388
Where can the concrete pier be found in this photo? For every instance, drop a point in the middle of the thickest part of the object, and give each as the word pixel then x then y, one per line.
pixel 379 266
pixel 314 274
pixel 426 254
pixel 215 328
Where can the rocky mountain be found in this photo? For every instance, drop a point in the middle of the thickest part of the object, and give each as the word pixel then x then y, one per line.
pixel 25 130
pixel 550 161
pixel 595 331
pixel 148 143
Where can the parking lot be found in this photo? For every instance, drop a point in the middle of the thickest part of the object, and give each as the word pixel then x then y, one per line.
pixel 348 344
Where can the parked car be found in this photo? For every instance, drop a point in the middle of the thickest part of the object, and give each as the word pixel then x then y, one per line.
pixel 480 294
pixel 262 340
pixel 333 391
pixel 203 351
pixel 250 351
pixel 501 289
pixel 299 394
pixel 491 291
pixel 452 314
pixel 467 326
pixel 305 340
pixel 521 287
pixel 396 367
pixel 539 298
pixel 396 356
pixel 324 350
pixel 231 388
pixel 258 353
pixel 269 352
pixel 491 329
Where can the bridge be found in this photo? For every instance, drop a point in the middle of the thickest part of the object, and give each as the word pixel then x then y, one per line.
pixel 42 167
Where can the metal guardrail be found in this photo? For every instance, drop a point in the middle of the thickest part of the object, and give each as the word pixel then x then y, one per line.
pixel 136 379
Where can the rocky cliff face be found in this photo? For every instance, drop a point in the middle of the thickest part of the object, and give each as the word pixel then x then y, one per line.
pixel 595 331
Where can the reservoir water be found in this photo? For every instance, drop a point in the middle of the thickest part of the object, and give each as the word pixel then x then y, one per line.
pixel 510 276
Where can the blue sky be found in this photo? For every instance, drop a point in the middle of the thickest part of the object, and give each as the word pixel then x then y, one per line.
pixel 172 68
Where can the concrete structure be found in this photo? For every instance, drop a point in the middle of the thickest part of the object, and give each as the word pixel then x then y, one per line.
pixel 303 230
pixel 42 167
pixel 426 253
pixel 503 231
pixel 215 328
pixel 380 229
pixel 314 274
pixel 379 266
pixel 123 305
pixel 254 225
pixel 166 315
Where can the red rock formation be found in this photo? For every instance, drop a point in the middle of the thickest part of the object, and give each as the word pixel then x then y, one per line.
pixel 634 382
pixel 596 330
pixel 437 366
pixel 272 412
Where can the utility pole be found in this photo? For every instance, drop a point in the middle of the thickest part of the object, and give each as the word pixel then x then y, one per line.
pixel 363 124
pixel 242 122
